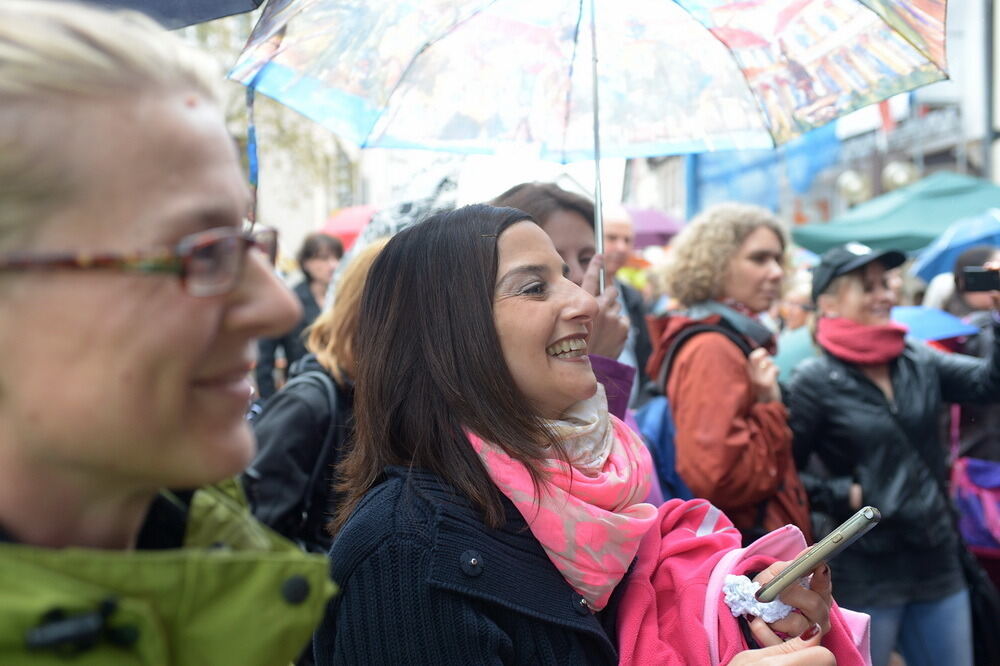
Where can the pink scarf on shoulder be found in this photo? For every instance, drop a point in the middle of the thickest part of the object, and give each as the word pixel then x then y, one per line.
pixel 590 516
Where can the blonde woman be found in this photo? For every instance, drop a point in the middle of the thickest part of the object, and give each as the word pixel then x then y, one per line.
pixel 713 362
pixel 131 299
pixel 305 427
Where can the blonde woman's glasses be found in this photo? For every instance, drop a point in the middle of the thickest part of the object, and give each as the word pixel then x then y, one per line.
pixel 208 263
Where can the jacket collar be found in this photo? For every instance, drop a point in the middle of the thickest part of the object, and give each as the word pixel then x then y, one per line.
pixel 182 604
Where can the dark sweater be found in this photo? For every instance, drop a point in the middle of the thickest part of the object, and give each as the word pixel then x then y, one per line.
pixel 424 581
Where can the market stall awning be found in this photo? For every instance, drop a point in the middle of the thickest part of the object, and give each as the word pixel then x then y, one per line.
pixel 906 219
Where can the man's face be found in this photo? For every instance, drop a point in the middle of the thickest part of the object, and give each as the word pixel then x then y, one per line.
pixel 619 240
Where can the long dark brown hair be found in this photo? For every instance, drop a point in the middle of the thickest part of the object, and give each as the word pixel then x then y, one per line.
pixel 430 366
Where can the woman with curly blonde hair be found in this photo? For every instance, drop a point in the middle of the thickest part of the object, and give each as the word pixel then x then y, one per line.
pixel 713 362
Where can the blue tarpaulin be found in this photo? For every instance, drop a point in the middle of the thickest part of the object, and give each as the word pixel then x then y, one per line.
pixel 752 176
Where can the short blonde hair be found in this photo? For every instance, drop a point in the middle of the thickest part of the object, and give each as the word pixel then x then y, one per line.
pixel 332 335
pixel 57 56
pixel 700 253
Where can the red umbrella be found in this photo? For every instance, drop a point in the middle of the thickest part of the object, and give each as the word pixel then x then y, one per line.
pixel 348 222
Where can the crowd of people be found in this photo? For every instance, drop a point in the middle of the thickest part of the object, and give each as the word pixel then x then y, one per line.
pixel 448 471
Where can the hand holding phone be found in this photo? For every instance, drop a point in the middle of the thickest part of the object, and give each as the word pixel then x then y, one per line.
pixel 850 531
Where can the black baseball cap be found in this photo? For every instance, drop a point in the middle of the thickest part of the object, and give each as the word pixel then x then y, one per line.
pixel 848 257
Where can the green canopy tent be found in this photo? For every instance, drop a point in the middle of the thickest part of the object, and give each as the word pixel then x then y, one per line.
pixel 906 219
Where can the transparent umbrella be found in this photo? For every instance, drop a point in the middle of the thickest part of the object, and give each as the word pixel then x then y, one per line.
pixel 672 76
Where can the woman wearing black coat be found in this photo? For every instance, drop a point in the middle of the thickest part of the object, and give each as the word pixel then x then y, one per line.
pixel 493 505
pixel 865 421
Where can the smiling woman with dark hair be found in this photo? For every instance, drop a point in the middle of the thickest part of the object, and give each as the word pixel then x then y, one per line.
pixel 493 505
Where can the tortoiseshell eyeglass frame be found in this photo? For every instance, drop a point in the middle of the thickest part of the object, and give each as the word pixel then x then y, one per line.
pixel 213 276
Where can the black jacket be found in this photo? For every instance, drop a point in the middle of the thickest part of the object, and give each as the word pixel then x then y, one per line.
pixel 424 581
pixel 846 430
pixel 292 344
pixel 979 428
pixel 290 435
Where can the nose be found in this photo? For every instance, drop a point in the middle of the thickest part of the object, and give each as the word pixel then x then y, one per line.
pixel 261 306
pixel 886 294
pixel 579 305
pixel 776 270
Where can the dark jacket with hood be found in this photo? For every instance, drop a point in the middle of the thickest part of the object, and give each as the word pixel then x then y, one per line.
pixel 847 430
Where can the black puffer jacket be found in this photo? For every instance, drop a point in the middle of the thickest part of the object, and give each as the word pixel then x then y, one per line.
pixel 847 431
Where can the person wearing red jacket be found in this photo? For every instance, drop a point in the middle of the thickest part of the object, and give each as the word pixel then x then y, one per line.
pixel 733 443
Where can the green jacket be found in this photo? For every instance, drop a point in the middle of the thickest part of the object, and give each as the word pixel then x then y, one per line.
pixel 233 592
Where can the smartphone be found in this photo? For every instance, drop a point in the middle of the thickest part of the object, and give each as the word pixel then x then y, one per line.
pixel 850 531
pixel 977 278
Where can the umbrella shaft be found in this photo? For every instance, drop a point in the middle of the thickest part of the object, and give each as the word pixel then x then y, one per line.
pixel 598 215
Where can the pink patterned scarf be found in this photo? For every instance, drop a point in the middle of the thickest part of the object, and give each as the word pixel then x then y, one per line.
pixel 592 517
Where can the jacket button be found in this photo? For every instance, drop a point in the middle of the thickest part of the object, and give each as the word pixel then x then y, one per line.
pixel 472 563
pixel 295 589
pixel 581 606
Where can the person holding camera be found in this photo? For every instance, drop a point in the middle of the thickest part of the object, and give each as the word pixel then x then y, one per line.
pixel 865 420
pixel 977 425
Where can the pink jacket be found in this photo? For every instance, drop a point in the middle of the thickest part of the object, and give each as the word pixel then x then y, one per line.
pixel 673 612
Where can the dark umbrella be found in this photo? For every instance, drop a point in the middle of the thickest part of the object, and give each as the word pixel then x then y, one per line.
pixel 180 13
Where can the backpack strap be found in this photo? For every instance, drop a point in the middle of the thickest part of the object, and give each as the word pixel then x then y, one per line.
pixel 326 384
pixel 668 360
pixel 687 334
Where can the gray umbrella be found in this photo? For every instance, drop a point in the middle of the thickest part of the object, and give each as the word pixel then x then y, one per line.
pixel 180 13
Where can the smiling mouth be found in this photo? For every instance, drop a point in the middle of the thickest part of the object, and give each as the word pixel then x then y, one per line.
pixel 571 348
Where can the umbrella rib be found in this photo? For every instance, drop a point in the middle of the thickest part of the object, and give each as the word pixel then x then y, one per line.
pixel 569 86
pixel 413 60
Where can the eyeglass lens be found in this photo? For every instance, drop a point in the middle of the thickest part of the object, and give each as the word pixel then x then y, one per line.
pixel 213 266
